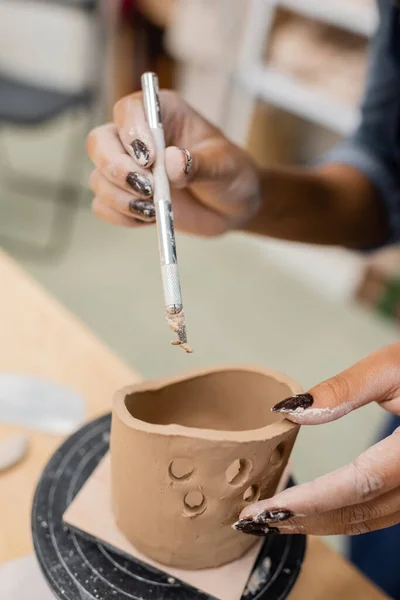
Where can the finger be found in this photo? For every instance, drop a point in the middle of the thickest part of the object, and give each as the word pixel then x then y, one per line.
pixel 373 473
pixel 189 216
pixel 326 526
pixel 178 163
pixel 310 527
pixel 133 131
pixel 109 156
pixel 375 378
pixel 120 200
pixel 207 160
pixel 105 213
pixel 182 125
pixel 347 520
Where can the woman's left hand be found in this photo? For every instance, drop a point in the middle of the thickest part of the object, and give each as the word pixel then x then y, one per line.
pixel 360 497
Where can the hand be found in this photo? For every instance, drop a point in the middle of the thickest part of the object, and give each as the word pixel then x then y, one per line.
pixel 215 183
pixel 360 497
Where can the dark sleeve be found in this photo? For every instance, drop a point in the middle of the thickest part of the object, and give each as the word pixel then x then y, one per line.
pixel 374 149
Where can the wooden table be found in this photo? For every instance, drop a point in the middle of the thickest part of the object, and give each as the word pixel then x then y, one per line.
pixel 40 337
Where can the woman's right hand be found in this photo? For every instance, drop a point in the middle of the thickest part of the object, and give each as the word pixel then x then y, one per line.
pixel 215 185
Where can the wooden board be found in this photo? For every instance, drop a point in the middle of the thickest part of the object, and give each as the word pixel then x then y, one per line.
pixel 91 513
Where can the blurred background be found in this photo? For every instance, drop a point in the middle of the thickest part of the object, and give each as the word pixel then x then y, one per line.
pixel 282 78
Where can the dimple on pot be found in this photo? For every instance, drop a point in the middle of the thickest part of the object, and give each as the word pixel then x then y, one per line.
pixel 189 453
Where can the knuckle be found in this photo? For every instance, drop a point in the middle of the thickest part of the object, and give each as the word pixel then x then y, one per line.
pixel 124 104
pixel 93 179
pixel 91 139
pixel 390 359
pixel 336 389
pixel 354 515
pixel 114 171
pixel 95 206
pixel 120 106
pixel 95 137
pixel 366 482
pixel 356 528
pixel 392 352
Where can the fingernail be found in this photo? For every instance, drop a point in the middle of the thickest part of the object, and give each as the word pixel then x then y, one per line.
pixel 251 528
pixel 274 516
pixel 139 183
pixel 188 159
pixel 143 209
pixel 141 152
pixel 294 404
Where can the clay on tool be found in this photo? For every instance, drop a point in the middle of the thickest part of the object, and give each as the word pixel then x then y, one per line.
pixel 189 453
pixel 176 322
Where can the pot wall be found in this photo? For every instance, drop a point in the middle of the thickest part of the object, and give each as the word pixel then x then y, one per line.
pixel 177 489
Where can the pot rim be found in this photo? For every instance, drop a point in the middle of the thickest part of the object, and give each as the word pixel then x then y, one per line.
pixel 173 430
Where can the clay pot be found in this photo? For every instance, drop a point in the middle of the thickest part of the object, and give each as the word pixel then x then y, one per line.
pixel 189 453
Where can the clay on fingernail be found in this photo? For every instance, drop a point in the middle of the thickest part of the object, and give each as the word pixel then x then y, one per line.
pixel 139 183
pixel 188 161
pixel 141 152
pixel 294 404
pixel 143 209
pixel 189 453
pixel 273 516
pixel 252 528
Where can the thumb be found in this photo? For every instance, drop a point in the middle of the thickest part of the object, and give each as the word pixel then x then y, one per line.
pixel 376 378
pixel 208 160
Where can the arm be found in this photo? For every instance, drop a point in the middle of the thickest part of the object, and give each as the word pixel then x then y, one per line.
pixel 334 205
pixel 354 199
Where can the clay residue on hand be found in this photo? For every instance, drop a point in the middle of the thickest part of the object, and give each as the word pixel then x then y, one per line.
pixel 176 322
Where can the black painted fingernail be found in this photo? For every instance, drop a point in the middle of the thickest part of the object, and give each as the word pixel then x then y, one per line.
pixel 252 528
pixel 139 183
pixel 274 516
pixel 141 152
pixel 294 403
pixel 188 159
pixel 143 209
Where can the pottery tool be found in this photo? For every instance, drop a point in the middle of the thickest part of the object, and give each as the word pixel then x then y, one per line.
pixel 164 217
pixel 40 404
pixel 13 449
pixel 79 565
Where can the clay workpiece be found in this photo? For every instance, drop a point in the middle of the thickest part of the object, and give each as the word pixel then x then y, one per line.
pixel 189 453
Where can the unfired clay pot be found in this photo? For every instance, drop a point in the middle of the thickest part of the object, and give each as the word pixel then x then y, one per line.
pixel 189 453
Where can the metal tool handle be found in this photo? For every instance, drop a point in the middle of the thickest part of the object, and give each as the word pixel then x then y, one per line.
pixel 162 197
pixel 151 100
